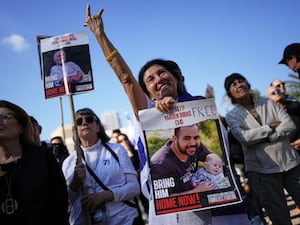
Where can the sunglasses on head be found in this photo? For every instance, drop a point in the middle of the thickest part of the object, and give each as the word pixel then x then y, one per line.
pixel 88 119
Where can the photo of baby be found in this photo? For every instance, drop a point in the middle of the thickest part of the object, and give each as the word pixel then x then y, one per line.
pixel 212 171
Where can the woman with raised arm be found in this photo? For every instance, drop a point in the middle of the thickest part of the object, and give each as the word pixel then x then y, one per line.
pixel 118 64
pixel 160 84
pixel 160 81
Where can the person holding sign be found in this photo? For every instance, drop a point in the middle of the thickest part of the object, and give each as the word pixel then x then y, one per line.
pixel 160 84
pixel 271 163
pixel 73 72
pixel 32 187
pixel 110 178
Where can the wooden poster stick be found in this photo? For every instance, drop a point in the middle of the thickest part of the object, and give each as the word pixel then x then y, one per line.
pixel 79 154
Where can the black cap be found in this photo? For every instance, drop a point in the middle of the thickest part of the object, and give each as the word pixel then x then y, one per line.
pixel 231 78
pixel 292 49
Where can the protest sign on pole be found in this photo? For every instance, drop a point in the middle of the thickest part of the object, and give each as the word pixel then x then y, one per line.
pixel 181 145
pixel 66 70
pixel 66 65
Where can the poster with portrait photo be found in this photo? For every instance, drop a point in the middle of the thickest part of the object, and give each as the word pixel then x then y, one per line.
pixel 66 64
pixel 187 154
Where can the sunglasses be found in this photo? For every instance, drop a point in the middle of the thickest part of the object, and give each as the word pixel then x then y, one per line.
pixel 277 91
pixel 88 119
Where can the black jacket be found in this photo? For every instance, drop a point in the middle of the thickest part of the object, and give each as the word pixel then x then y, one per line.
pixel 293 109
pixel 37 187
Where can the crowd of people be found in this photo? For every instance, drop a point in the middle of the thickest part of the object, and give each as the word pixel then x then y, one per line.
pixel 101 182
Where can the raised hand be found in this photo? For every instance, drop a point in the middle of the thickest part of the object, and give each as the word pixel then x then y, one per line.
pixel 95 23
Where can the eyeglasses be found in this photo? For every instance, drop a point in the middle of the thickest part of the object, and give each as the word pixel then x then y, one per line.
pixel 277 91
pixel 6 117
pixel 88 119
pixel 235 82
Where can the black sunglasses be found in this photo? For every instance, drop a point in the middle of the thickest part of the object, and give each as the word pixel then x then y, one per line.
pixel 88 119
pixel 277 91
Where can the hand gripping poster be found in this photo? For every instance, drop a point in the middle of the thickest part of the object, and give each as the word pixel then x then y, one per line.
pixel 65 64
pixel 189 165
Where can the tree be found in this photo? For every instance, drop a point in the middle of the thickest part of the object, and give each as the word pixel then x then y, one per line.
pixel 293 86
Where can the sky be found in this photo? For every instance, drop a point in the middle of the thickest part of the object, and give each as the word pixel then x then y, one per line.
pixel 208 39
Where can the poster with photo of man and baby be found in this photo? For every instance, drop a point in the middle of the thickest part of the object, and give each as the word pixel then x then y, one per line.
pixel 187 151
pixel 65 64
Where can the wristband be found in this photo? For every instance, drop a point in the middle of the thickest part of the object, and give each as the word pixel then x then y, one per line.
pixel 111 55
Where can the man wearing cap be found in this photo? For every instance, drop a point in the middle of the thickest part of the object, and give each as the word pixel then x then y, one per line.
pixel 291 57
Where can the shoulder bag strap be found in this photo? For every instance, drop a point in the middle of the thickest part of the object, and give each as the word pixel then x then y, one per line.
pixel 111 152
pixel 99 181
